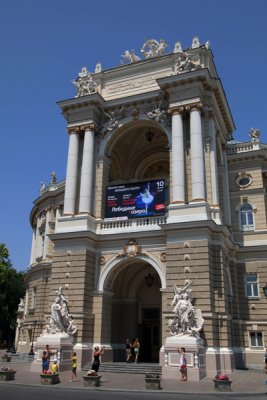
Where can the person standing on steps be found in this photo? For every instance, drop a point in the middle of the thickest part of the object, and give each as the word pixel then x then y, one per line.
pixel 136 347
pixel 128 347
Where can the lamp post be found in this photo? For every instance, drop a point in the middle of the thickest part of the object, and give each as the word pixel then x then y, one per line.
pixel 149 279
pixel 31 353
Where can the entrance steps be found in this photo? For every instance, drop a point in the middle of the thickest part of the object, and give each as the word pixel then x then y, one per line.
pixel 127 368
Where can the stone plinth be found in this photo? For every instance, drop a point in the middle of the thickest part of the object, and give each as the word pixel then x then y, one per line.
pixel 61 344
pixel 153 381
pixel 195 356
pixel 222 385
pixel 49 379
pixel 91 380
pixel 7 375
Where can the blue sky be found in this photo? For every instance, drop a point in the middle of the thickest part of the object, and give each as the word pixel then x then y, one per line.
pixel 44 44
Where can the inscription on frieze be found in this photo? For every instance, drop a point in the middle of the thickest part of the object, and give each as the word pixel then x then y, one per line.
pixel 136 83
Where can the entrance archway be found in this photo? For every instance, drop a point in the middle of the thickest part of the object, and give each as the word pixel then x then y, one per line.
pixel 135 309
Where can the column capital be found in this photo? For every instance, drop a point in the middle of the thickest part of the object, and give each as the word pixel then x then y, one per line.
pixel 197 106
pixel 176 110
pixel 89 127
pixel 73 129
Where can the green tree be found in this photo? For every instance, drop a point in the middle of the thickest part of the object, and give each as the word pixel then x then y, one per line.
pixel 12 288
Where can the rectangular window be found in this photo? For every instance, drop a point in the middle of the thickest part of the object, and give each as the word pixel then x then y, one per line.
pixel 252 289
pixel 255 339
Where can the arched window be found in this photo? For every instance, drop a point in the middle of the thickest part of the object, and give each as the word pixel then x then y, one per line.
pixel 247 217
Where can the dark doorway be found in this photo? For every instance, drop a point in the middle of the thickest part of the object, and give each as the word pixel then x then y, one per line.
pixel 150 335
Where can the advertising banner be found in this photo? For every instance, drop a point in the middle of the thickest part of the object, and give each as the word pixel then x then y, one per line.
pixel 133 200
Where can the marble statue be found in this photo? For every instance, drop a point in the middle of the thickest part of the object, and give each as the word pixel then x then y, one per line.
pixel 60 320
pixel 85 83
pixel 186 63
pixel 129 57
pixel 178 47
pixel 21 305
pixel 153 48
pixel 98 68
pixel 157 114
pixel 207 45
pixel 195 43
pixel 187 320
pixel 42 187
pixel 53 177
pixel 254 134
pixel 113 121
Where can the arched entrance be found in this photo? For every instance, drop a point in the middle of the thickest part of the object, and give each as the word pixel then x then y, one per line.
pixel 135 309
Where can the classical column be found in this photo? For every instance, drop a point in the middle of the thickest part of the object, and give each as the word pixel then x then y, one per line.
pixel 178 178
pixel 226 194
pixel 87 170
pixel 72 172
pixel 34 246
pixel 197 154
pixel 213 162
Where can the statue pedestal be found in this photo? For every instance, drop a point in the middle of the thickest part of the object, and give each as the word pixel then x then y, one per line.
pixel 61 344
pixel 195 356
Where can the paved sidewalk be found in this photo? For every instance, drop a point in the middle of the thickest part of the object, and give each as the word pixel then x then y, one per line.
pixel 246 382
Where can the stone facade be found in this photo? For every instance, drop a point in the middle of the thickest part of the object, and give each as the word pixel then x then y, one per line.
pixel 154 119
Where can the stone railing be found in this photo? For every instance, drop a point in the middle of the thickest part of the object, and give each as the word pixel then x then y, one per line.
pixel 235 148
pixel 138 224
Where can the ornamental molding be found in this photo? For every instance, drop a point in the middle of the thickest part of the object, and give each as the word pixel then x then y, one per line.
pixel 132 249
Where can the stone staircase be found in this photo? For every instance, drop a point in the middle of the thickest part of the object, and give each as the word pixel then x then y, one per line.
pixel 127 368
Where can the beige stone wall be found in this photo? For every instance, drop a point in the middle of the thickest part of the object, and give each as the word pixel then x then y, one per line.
pixel 254 193
pixel 75 272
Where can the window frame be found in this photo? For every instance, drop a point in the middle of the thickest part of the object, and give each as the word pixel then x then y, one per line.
pixel 245 227
pixel 257 334
pixel 252 285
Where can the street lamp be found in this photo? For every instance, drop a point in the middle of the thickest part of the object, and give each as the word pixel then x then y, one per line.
pixel 31 353
pixel 149 279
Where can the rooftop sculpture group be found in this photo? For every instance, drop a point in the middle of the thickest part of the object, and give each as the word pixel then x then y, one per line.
pixel 86 82
pixel 187 320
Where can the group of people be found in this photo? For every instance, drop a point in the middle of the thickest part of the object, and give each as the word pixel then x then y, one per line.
pixel 132 350
pixel 132 354
pixel 47 353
